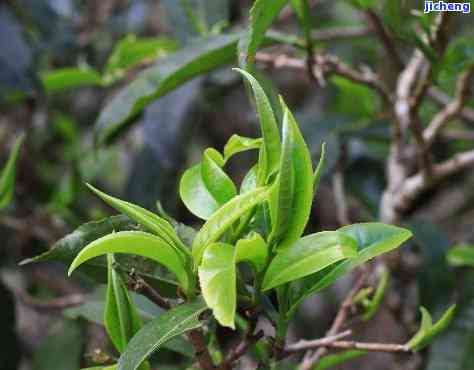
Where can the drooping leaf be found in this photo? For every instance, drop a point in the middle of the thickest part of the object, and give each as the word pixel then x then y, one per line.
pixel 59 80
pixel 147 219
pixel 220 186
pixel 223 218
pixel 372 238
pixel 461 255
pixel 308 255
pixel 67 248
pixel 136 243
pixel 195 195
pixel 131 51
pixel 120 317
pixel 254 250
pixel 428 331
pixel 237 144
pixel 8 174
pixel 268 125
pixel 217 276
pixel 319 169
pixel 262 15
pixel 302 186
pixel 376 301
pixel 161 78
pixel 154 334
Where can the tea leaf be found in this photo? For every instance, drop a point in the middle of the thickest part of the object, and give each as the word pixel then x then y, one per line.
pixel 462 255
pixel 307 256
pixel 70 78
pixel 137 243
pixel 217 276
pixel 220 186
pixel 223 218
pixel 237 144
pixel 253 250
pixel 160 330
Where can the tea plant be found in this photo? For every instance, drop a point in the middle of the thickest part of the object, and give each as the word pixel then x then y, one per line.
pixel 261 224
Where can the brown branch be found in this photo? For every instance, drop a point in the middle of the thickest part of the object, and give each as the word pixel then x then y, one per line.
pixel 240 350
pixel 304 345
pixel 442 99
pixel 385 38
pixel 451 110
pixel 60 303
pixel 376 347
pixel 332 34
pixel 310 358
pixel 140 286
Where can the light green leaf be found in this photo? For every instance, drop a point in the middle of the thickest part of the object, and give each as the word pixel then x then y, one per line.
pixel 237 144
pixel 167 74
pixel 195 195
pixel 219 185
pixel 136 243
pixel 7 177
pixel 372 238
pixel 250 180
pixel 154 334
pixel 152 222
pixel 223 219
pixel 303 184
pixel 120 316
pixel 131 51
pixel 281 201
pixel 262 14
pixel 428 331
pixel 67 248
pixel 330 361
pixel 319 169
pixel 461 255
pixel 217 276
pixel 252 249
pixel 268 125
pixel 308 255
pixel 70 78
pixel 375 302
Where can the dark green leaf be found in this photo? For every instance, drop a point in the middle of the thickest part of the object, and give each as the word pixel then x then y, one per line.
pixel 7 177
pixel 217 276
pixel 154 334
pixel 167 74
pixel 223 219
pixel 308 255
pixel 136 243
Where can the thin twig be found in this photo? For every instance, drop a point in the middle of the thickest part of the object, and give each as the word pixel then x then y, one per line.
pixel 311 358
pixel 304 345
pixel 240 350
pixel 60 303
pixel 338 33
pixel 139 285
pixel 442 99
pixel 451 110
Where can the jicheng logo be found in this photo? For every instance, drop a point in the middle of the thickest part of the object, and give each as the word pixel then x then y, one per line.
pixel 441 6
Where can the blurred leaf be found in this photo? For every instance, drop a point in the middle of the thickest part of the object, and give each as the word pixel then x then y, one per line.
pixel 458 56
pixel 8 174
pixel 376 300
pixel 319 169
pixel 217 276
pixel 428 331
pixel 367 100
pixel 223 218
pixel 61 348
pixel 372 239
pixel 120 316
pixel 204 55
pixel 135 243
pixel 132 51
pixel 70 78
pixel 308 255
pixel 461 255
pixel 160 330
pixel 262 15
pixel 331 361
